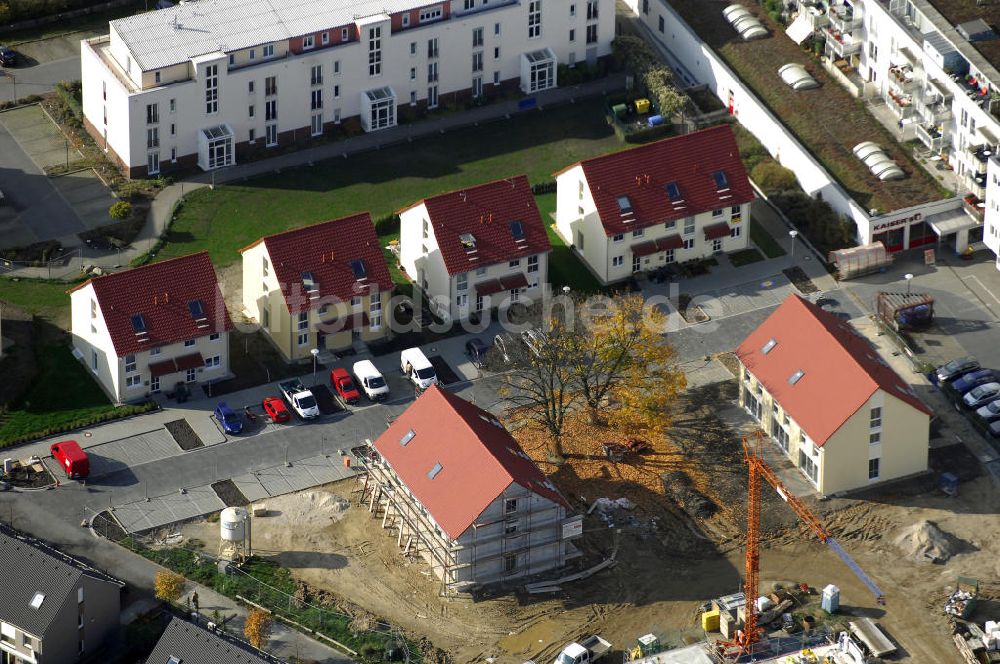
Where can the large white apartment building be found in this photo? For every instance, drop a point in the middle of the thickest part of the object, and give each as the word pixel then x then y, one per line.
pixel 208 81
pixel 937 74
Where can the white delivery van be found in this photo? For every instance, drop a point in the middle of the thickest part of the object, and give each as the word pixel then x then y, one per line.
pixel 415 366
pixel 370 380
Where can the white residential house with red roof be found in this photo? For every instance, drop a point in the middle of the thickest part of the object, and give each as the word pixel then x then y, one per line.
pixel 319 287
pixel 459 490
pixel 671 201
pixel 476 249
pixel 146 329
pixel 830 403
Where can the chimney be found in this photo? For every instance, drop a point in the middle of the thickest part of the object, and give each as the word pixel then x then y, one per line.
pixel 463 195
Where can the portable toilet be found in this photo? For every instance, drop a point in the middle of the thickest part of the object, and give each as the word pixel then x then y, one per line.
pixel 831 599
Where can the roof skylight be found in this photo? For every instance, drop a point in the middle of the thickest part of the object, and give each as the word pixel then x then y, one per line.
pixel 721 181
pixel 796 377
pixel 517 230
pixel 433 472
pixel 673 191
pixel 359 269
pixel 769 346
pixel 407 437
pixel 36 601
pixel 624 204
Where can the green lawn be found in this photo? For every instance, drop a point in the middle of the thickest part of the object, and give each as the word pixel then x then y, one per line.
pixel 63 396
pixel 760 237
pixel 47 299
pixel 745 257
pixel 565 267
pixel 537 144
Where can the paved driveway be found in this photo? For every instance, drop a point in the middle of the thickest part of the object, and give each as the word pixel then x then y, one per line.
pixel 44 208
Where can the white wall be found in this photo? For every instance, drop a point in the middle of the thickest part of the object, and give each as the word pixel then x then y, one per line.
pixel 294 85
pixel 88 340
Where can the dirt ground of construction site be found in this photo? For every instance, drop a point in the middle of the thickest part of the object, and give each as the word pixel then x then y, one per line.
pixel 676 548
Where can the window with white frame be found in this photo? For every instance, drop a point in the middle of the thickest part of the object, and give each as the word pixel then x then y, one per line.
pixel 375 51
pixel 215 336
pixel 153 352
pixel 336 67
pixel 541 70
pixel 344 34
pixel 620 237
pixel 308 42
pixel 689 226
pixel 325 38
pixel 212 89
pixel 188 343
pixel 316 75
pixel 271 135
pixel 477 61
pixel 668 255
pixel 316 124
pixel 875 418
pixel 617 261
pixel 375 313
pixel 130 364
pixel 132 382
pixel 303 339
pixel 534 19
pixel 462 281
pixel 477 38
pixel 736 231
pixel 213 362
pixel 316 100
pixel 430 14
pixel 532 264
pixel 268 50
pixel 303 321
pixel 514 263
pixel 477 86
pixel 638 232
pixel 689 243
pixel 873 469
pixel 153 137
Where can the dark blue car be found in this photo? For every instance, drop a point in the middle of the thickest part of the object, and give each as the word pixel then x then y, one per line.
pixel 228 419
pixel 8 58
pixel 974 379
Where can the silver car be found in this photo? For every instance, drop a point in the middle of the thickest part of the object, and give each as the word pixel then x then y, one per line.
pixel 982 395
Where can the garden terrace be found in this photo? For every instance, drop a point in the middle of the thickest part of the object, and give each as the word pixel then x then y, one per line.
pixel 828 121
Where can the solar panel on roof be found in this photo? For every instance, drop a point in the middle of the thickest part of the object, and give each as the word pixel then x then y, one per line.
pixel 138 323
pixel 358 268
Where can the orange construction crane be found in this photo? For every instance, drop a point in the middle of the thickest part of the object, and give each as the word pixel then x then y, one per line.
pixel 758 468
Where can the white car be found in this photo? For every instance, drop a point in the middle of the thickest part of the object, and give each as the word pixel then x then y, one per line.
pixel 370 380
pixel 415 366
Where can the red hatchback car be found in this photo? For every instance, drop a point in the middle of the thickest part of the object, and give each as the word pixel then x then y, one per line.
pixel 275 409
pixel 344 385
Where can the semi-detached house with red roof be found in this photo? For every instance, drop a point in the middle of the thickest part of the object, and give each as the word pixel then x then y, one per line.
pixel 322 286
pixel 475 249
pixel 671 201
pixel 149 328
pixel 829 402
pixel 459 490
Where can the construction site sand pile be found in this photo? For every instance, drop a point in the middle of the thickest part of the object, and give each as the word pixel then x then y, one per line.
pixel 925 542
pixel 307 511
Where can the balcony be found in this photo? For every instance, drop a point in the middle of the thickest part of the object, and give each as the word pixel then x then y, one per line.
pixel 903 77
pixel 975 206
pixel 842 43
pixel 900 104
pixel 844 18
pixel 931 136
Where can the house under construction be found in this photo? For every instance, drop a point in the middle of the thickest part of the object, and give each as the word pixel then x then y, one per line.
pixel 460 491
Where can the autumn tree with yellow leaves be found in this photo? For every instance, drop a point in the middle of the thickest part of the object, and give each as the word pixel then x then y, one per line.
pixel 168 585
pixel 257 627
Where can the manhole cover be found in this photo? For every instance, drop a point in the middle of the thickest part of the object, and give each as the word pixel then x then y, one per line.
pixel 766 284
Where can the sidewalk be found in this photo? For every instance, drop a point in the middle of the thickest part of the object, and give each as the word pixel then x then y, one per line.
pixel 166 201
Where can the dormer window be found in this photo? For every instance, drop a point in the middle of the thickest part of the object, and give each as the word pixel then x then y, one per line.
pixel 359 269
pixel 721 181
pixel 517 230
pixel 468 241
pixel 309 282
pixel 624 204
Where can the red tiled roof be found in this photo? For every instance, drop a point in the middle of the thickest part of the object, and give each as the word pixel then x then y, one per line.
pixel 487 212
pixel 326 250
pixel 479 460
pixel 160 293
pixel 643 173
pixel 841 369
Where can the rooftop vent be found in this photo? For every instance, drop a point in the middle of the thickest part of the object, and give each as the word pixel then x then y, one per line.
pixel 796 377
pixel 976 30
pixel 36 601
pixel 433 472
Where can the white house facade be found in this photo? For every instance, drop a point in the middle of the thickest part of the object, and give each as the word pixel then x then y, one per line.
pixel 145 330
pixel 203 83
pixel 672 201
pixel 476 249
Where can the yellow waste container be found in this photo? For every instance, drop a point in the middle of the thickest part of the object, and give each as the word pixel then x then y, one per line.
pixel 710 621
pixel 642 106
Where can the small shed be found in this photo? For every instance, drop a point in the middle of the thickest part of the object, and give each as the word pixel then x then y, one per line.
pixel 861 260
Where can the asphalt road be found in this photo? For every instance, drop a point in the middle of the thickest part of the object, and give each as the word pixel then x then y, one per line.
pixel 38 79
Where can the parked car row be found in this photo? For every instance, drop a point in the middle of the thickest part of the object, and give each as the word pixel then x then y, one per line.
pixel 978 390
pixel 505 345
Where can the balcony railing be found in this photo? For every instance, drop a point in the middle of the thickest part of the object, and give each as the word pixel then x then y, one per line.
pixel 844 19
pixel 900 104
pixel 975 206
pixel 931 137
pixel 843 44
pixel 932 109
pixel 903 77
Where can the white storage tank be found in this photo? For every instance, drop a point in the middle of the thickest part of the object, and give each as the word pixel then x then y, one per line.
pixel 232 524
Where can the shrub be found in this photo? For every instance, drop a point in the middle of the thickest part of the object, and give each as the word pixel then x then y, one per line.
pixel 120 210
pixel 168 585
pixel 773 178
pixel 387 225
pixel 637 56
pixel 548 187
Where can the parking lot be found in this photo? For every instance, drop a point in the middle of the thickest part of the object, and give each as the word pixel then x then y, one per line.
pixel 37 207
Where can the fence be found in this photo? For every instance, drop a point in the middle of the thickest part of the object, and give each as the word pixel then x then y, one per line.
pixel 366 639
pixel 67 265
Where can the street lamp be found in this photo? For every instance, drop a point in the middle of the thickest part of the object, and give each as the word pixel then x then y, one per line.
pixel 793 234
pixel 315 354
pixel 565 290
pixel 908 278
